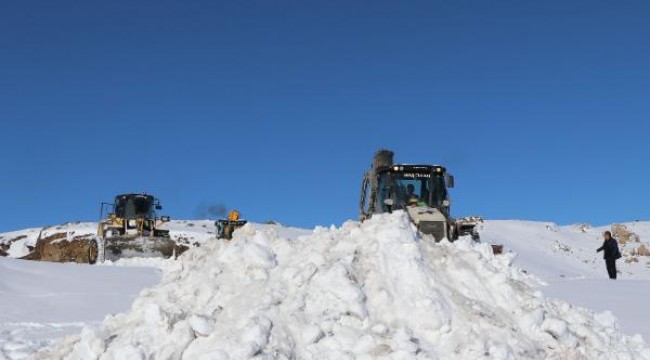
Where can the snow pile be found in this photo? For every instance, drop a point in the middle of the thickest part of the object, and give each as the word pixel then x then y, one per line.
pixel 371 290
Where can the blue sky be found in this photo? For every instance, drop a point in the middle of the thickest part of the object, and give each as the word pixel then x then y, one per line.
pixel 540 109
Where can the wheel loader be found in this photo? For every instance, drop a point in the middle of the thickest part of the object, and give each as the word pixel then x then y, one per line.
pixel 130 227
pixel 421 191
pixel 226 227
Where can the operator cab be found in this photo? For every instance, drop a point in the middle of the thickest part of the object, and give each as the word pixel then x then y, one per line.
pixel 400 186
pixel 135 206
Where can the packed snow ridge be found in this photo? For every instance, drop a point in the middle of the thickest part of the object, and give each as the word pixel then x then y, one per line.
pixel 363 291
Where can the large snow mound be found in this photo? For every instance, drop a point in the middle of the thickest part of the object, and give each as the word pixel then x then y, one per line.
pixel 369 290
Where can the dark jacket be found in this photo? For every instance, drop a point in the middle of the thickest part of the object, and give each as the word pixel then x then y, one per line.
pixel 610 249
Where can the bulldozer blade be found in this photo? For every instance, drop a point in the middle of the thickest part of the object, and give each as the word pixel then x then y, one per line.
pixel 128 247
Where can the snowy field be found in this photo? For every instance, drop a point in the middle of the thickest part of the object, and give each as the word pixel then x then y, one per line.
pixel 372 290
pixel 565 259
pixel 44 301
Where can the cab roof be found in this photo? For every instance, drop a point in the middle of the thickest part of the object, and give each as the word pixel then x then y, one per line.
pixel 399 168
pixel 134 195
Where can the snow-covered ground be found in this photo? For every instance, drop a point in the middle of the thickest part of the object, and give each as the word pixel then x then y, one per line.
pixel 567 252
pixel 40 301
pixel 565 258
pixel 626 299
pixel 367 290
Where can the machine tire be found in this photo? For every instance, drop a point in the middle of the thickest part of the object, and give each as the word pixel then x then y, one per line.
pixel 452 233
pixel 93 252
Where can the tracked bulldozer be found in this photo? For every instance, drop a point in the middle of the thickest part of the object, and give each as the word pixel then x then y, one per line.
pixel 130 227
pixel 226 227
pixel 419 190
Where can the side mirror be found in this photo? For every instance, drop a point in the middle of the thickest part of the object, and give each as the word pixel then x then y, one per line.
pixel 158 207
pixel 450 181
pixel 165 218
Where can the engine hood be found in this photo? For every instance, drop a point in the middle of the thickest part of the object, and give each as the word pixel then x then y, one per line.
pixel 424 214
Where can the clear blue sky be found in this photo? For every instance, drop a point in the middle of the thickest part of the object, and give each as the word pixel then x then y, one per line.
pixel 540 109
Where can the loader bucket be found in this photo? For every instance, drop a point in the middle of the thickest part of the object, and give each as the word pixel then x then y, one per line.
pixel 143 246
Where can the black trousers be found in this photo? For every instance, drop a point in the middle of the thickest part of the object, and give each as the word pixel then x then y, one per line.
pixel 611 268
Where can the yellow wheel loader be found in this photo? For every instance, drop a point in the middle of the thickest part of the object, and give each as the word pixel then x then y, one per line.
pixel 421 191
pixel 131 227
pixel 226 227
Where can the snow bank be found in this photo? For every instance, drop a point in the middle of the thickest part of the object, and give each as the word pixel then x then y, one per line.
pixel 371 290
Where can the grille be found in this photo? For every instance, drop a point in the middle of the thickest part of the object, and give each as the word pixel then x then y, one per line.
pixel 435 228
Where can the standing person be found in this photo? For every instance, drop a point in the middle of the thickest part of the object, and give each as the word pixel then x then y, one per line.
pixel 611 253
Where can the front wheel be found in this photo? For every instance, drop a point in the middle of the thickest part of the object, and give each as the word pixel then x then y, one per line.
pixel 93 251
pixel 452 233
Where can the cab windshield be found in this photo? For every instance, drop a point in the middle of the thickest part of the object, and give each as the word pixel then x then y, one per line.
pixel 131 207
pixel 411 189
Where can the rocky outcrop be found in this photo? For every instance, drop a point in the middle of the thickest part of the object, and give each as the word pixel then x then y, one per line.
pixel 58 247
pixel 642 250
pixel 623 235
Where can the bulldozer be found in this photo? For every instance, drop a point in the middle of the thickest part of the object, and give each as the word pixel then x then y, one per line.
pixel 226 227
pixel 130 227
pixel 419 190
